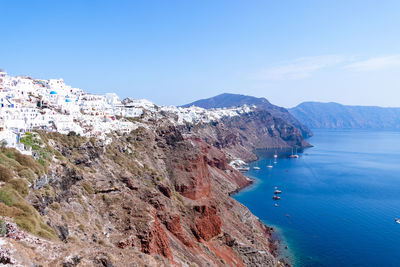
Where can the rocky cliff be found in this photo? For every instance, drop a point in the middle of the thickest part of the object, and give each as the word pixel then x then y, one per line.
pixel 227 100
pixel 240 136
pixel 337 116
pixel 158 196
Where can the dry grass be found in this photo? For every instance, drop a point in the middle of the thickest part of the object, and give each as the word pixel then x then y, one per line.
pixel 28 174
pixel 16 170
pixel 5 174
pixel 21 186
pixel 71 140
pixel 88 188
pixel 13 205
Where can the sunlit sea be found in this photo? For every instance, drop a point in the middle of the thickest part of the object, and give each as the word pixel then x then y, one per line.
pixel 339 199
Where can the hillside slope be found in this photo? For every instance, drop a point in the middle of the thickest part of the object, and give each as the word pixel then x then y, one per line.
pixel 337 116
pixel 157 196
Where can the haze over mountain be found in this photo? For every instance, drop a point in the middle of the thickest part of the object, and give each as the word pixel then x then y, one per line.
pixel 337 116
pixel 228 100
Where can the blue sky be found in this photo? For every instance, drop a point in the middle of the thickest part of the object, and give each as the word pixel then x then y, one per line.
pixel 174 52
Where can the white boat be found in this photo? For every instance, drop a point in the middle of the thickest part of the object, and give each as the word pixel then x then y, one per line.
pixel 294 156
pixel 276 205
pixel 270 165
pixel 397 220
pixel 256 168
pixel 277 192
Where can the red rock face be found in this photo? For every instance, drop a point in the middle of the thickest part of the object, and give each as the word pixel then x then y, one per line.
pixel 207 224
pixel 173 224
pixel 156 241
pixel 192 171
pixel 226 254
pixel 194 177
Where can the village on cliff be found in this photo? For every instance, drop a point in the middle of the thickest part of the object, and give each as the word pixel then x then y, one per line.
pixel 28 104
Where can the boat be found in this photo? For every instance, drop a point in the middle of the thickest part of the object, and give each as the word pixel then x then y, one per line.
pixel 243 169
pixel 397 220
pixel 275 155
pixel 294 156
pixel 275 187
pixel 277 192
pixel 256 168
pixel 276 205
pixel 276 198
pixel 270 165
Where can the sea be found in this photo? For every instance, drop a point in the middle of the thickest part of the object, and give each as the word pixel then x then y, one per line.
pixel 339 199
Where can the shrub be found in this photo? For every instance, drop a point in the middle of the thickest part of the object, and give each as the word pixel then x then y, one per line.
pixel 28 162
pixel 20 186
pixel 26 222
pixel 88 188
pixel 5 174
pixel 47 234
pixel 25 160
pixel 10 155
pixel 6 197
pixel 3 229
pixel 55 206
pixel 28 174
pixel 25 216
pixel 10 163
pixel 82 227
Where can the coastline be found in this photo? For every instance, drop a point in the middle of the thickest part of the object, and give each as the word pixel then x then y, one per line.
pixel 275 240
pixel 279 246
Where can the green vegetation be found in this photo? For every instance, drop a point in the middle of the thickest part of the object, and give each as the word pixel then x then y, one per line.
pixel 21 186
pixel 3 230
pixel 28 174
pixel 13 160
pixel 34 141
pixel 16 170
pixel 6 197
pixel 71 140
pixel 31 140
pixel 13 205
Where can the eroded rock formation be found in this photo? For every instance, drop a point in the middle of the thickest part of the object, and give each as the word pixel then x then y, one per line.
pixel 158 196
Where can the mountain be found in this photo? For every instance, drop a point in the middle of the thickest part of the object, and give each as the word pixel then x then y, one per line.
pixel 227 100
pixel 337 116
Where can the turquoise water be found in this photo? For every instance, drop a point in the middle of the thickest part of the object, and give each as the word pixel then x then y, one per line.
pixel 341 196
